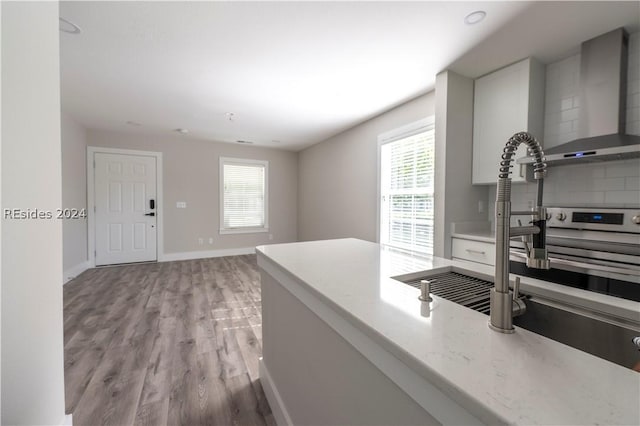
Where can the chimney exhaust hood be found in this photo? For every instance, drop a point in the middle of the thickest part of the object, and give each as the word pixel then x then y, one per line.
pixel 603 96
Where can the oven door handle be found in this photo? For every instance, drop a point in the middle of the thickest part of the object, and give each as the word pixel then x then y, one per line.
pixel 588 266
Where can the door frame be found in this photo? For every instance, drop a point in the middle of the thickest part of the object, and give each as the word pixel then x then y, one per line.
pixel 91 218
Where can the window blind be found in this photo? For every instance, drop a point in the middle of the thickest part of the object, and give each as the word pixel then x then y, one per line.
pixel 244 198
pixel 406 189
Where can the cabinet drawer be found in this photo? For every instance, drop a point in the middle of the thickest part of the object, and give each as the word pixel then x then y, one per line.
pixel 475 251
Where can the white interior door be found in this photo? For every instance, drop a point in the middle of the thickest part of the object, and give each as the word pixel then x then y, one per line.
pixel 125 208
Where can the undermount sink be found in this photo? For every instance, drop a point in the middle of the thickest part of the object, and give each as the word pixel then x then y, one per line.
pixel 590 332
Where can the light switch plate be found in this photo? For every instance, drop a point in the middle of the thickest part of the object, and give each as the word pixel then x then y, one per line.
pixel 181 204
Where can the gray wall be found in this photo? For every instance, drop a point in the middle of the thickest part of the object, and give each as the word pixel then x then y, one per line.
pixel 32 336
pixel 191 174
pixel 74 194
pixel 338 182
pixel 456 200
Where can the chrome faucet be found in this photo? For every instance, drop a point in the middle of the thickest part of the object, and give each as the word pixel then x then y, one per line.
pixel 505 304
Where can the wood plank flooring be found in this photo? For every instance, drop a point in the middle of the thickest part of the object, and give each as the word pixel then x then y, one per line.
pixel 173 343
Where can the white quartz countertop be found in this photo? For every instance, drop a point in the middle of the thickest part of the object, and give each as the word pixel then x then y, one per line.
pixel 521 378
pixel 486 236
pixel 477 231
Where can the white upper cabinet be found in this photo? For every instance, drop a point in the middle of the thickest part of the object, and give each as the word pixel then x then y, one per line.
pixel 506 101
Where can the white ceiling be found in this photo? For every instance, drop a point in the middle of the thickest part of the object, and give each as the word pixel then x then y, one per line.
pixel 294 73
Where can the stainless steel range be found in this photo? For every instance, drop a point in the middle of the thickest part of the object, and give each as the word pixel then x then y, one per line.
pixel 595 249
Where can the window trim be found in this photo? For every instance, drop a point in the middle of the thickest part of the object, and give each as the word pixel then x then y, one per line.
pixel 244 162
pixel 398 133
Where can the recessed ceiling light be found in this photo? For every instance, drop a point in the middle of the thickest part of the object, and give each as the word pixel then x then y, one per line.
pixel 245 142
pixel 181 131
pixel 475 17
pixel 133 123
pixel 68 27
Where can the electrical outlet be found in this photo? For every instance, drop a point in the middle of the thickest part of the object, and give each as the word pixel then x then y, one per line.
pixel 181 205
pixel 270 237
pixel 529 204
pixel 210 240
pixel 480 206
pixel 201 241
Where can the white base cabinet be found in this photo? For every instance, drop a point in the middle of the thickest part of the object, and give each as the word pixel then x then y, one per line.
pixel 506 101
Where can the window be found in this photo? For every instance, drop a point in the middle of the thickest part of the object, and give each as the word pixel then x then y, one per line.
pixel 243 196
pixel 406 187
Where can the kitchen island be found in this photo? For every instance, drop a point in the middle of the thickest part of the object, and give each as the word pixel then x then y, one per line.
pixel 345 343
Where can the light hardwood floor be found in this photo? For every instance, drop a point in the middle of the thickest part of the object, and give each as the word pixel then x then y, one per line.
pixel 173 343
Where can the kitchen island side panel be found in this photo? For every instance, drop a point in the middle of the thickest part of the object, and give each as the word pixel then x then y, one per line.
pixel 320 377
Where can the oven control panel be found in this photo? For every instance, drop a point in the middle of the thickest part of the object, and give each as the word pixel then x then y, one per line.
pixel 597 219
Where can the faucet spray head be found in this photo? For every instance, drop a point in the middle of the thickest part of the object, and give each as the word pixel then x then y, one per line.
pixel 538 259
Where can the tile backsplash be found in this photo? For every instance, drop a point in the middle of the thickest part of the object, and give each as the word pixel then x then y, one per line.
pixel 561 101
pixel 604 184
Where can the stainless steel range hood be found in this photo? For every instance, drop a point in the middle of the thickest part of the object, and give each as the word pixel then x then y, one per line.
pixel 603 96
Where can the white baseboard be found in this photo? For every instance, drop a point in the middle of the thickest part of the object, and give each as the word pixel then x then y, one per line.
pixel 280 413
pixel 74 271
pixel 67 420
pixel 190 255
